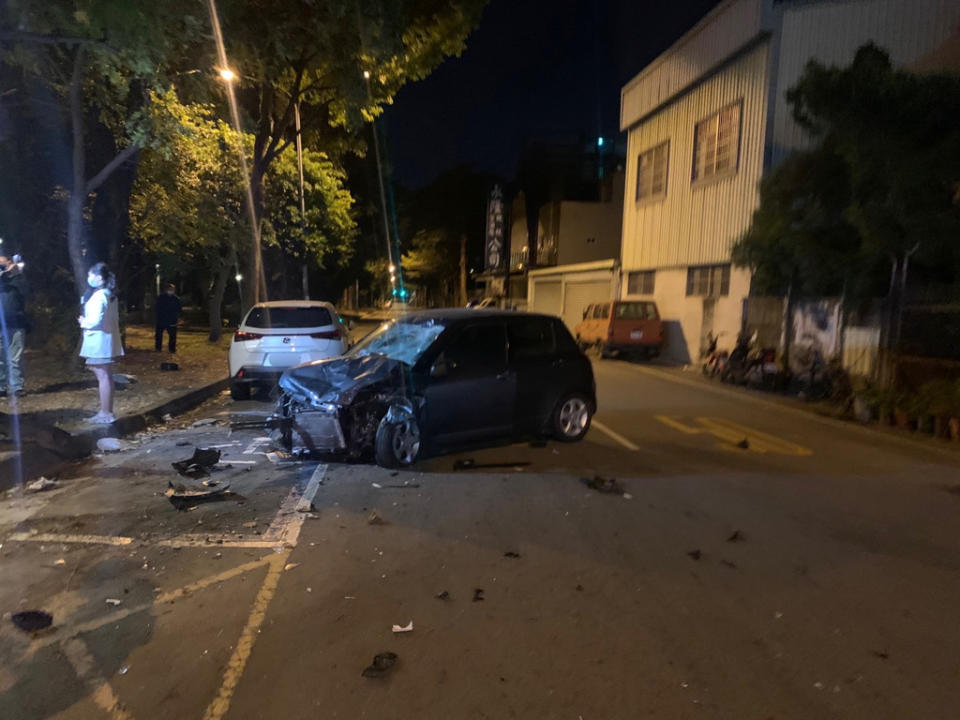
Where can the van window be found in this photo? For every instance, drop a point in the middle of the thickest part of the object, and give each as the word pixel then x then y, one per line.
pixel 602 311
pixel 636 311
pixel 588 312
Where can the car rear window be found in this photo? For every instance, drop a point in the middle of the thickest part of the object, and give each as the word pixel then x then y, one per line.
pixel 288 317
pixel 636 311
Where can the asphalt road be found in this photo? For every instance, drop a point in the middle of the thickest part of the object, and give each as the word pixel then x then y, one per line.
pixel 763 563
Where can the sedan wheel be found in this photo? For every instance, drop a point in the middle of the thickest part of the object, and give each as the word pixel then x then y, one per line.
pixel 572 418
pixel 398 444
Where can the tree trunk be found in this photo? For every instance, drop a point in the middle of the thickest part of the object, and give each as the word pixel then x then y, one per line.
pixel 463 270
pixel 215 308
pixel 788 327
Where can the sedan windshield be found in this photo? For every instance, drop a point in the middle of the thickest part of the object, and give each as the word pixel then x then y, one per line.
pixel 404 340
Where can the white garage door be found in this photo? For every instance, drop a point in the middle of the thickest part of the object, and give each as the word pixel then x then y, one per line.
pixel 546 297
pixel 578 295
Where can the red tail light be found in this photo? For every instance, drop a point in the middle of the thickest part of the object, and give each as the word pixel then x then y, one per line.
pixel 328 335
pixel 240 336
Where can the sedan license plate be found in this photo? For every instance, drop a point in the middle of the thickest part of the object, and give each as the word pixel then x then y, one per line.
pixel 636 334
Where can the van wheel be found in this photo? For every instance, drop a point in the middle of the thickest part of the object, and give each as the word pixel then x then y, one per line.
pixel 240 391
pixel 397 444
pixel 571 418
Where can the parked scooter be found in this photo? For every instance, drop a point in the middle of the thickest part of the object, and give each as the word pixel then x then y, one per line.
pixel 762 368
pixel 714 361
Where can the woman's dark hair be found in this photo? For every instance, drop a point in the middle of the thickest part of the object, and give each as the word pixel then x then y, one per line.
pixel 109 281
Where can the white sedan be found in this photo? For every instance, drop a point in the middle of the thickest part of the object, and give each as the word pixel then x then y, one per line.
pixel 278 335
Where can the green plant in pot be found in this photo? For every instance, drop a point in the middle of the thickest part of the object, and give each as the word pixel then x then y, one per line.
pixel 938 399
pixel 904 410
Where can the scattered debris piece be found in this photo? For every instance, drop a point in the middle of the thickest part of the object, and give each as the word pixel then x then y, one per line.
pixel 251 524
pixel 167 417
pixel 290 566
pixel 109 445
pixel 404 629
pixel 442 595
pixel 169 366
pixel 603 485
pixel 777 615
pixel 695 554
pixel 375 519
pixel 627 496
pixel 382 664
pixel 113 601
pixel 198 464
pixel 125 669
pixel 203 422
pixel 183 443
pixel 32 620
pixel 556 452
pixel 511 554
pixel 729 564
pixel 41 484
pixel 377 485
pixel 277 457
pixel 478 595
pixel 818 685
pixel 61 561
pixel 579 588
pixel 464 464
pixel 179 491
pixel 305 506
pixel 123 379
pixel 744 444
pixel 880 654
pixel 737 536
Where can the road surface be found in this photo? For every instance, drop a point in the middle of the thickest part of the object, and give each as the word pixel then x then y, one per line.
pixel 762 563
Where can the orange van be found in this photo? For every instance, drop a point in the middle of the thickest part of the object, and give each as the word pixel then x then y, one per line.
pixel 623 327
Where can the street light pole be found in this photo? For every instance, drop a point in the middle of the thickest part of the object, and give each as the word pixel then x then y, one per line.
pixel 383 194
pixel 303 205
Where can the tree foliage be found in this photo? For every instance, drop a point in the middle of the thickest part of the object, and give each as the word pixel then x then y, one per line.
pixel 880 185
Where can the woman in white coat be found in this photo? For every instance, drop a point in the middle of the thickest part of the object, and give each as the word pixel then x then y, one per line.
pixel 101 335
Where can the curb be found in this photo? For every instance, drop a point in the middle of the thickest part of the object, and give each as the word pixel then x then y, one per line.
pixel 42 459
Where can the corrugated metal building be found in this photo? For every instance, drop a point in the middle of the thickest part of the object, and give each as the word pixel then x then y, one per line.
pixel 709 116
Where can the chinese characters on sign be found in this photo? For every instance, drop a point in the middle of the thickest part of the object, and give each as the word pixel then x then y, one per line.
pixel 494 255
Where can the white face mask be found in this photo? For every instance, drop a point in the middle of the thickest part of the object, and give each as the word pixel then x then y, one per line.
pixel 94 281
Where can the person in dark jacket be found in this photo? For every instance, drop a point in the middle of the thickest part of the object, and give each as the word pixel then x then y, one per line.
pixel 14 324
pixel 168 314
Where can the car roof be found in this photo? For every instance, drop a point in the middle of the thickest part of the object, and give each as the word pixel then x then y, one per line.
pixel 458 314
pixel 294 303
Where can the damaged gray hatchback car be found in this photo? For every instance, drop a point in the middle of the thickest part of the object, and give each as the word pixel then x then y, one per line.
pixel 435 381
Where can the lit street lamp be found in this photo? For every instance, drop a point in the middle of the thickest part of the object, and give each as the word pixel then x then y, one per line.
pixel 227 75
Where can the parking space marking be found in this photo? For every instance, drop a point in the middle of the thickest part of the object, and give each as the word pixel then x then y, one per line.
pixel 254 444
pixel 286 525
pixel 730 433
pixel 83 665
pixel 615 435
pixel 238 661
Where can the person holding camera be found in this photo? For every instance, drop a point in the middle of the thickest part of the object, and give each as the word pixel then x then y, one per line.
pixel 101 335
pixel 14 324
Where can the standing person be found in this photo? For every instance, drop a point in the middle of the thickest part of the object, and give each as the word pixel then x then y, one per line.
pixel 168 314
pixel 101 335
pixel 14 324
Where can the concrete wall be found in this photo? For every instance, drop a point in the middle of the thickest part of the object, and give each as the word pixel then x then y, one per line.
pixel 589 231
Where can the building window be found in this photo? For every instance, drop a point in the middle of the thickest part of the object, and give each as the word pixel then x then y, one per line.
pixel 641 282
pixel 716 143
pixel 652 172
pixel 708 280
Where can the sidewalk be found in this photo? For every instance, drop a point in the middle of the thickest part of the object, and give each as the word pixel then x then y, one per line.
pixel 50 417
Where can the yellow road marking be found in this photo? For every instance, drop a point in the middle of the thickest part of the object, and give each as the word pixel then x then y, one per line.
pixel 677 425
pixel 238 661
pixel 83 665
pixel 733 433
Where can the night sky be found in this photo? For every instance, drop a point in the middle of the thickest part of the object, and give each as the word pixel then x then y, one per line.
pixel 533 69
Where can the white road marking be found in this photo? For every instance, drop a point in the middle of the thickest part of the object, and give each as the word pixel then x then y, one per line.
pixel 285 528
pixel 66 538
pixel 615 435
pixel 256 442
pixel 238 462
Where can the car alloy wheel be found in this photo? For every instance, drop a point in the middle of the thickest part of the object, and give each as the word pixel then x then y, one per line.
pixel 574 417
pixel 406 442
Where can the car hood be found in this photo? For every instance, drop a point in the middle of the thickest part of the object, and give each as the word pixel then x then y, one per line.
pixel 340 380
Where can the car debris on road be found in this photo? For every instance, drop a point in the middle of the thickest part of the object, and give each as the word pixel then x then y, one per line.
pixel 382 664
pixel 198 464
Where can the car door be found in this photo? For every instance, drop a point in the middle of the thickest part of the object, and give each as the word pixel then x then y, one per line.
pixel 470 393
pixel 539 369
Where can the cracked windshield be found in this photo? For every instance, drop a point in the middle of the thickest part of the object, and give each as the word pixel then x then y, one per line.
pixel 585 359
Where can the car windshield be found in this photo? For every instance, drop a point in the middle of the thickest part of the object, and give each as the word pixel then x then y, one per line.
pixel 288 317
pixel 636 311
pixel 404 340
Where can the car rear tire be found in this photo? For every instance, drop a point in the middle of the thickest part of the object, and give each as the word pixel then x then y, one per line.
pixel 240 391
pixel 571 418
pixel 397 444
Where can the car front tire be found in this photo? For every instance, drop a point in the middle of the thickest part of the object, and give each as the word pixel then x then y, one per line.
pixel 571 418
pixel 397 444
pixel 240 391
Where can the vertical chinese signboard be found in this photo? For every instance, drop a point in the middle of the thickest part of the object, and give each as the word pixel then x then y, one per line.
pixel 494 251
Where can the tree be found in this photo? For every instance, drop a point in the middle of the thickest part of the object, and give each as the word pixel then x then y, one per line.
pixel 315 55
pixel 98 61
